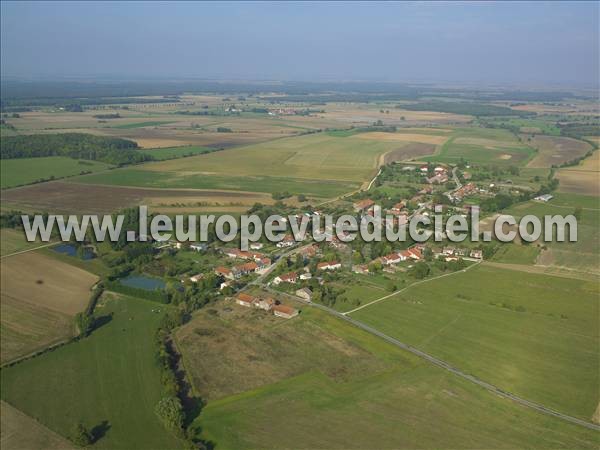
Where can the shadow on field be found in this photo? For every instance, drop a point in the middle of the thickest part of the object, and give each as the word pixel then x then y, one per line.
pixel 102 320
pixel 100 430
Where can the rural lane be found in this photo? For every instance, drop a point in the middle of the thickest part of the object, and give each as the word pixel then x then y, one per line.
pixel 441 363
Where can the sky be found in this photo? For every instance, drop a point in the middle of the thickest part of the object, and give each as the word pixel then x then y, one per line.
pixel 511 43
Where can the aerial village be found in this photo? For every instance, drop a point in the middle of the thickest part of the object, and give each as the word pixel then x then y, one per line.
pixel 278 278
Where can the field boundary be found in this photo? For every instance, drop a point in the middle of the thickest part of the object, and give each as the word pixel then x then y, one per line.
pixel 385 297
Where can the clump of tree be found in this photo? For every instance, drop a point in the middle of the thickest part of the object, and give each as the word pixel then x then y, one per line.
pixel 73 145
pixel 108 116
pixel 81 435
pixel 224 130
pixel 170 412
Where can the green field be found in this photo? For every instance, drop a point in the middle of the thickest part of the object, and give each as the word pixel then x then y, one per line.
pixel 17 172
pixel 174 152
pixel 145 178
pixel 517 254
pixel 581 255
pixel 319 165
pixel 543 126
pixel 484 146
pixel 152 123
pixel 13 241
pixel 110 376
pixel 533 335
pixel 395 401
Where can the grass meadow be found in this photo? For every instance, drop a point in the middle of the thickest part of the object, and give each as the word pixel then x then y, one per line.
pixel 319 165
pixel 483 146
pixel 534 335
pixel 351 390
pixel 18 172
pixel 109 379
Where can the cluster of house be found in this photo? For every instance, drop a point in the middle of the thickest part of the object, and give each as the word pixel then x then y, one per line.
pixel 464 191
pixel 414 253
pixel 266 304
pixel 452 253
pixel 255 263
pixel 440 174
pixel 293 277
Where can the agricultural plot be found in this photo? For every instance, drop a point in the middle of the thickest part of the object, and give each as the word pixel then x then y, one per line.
pixel 109 380
pixel 19 432
pixel 39 298
pixel 13 241
pixel 18 172
pixel 533 335
pixel 63 198
pixel 318 165
pixel 394 396
pixel 554 151
pixel 581 179
pixel 174 152
pixel 581 256
pixel 483 146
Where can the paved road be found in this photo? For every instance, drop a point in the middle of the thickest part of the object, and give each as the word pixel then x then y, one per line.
pixel 444 365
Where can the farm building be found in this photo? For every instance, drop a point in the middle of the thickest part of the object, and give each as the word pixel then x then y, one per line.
pixel 363 205
pixel 245 300
pixel 286 312
pixel 304 293
pixel 544 198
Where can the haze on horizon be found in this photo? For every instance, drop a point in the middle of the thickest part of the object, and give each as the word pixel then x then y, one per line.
pixel 511 43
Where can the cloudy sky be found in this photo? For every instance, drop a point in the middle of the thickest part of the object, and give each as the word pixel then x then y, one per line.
pixel 511 42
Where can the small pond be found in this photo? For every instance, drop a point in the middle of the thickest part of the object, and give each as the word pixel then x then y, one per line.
pixel 143 282
pixel 71 250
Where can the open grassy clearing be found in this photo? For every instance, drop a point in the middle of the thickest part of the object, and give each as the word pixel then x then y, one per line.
pixel 110 377
pixel 12 241
pixel 362 114
pixel 483 146
pixel 556 150
pixel 534 335
pixel 61 197
pixel 255 184
pixel 39 298
pixel 17 172
pixel 174 152
pixel 20 432
pixel 318 165
pixel 150 123
pixel 514 253
pixel 364 394
pixel 403 137
pixel 583 255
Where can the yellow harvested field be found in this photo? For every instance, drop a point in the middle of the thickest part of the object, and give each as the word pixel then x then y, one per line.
pixel 402 137
pixel 18 431
pixel 41 280
pixel 39 296
pixel 554 150
pixel 581 179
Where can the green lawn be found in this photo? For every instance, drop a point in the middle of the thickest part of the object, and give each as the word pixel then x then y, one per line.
pixel 534 335
pixel 110 376
pixel 399 401
pixel 17 172
pixel 174 152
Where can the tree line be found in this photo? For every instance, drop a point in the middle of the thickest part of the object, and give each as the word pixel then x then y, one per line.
pixel 73 145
